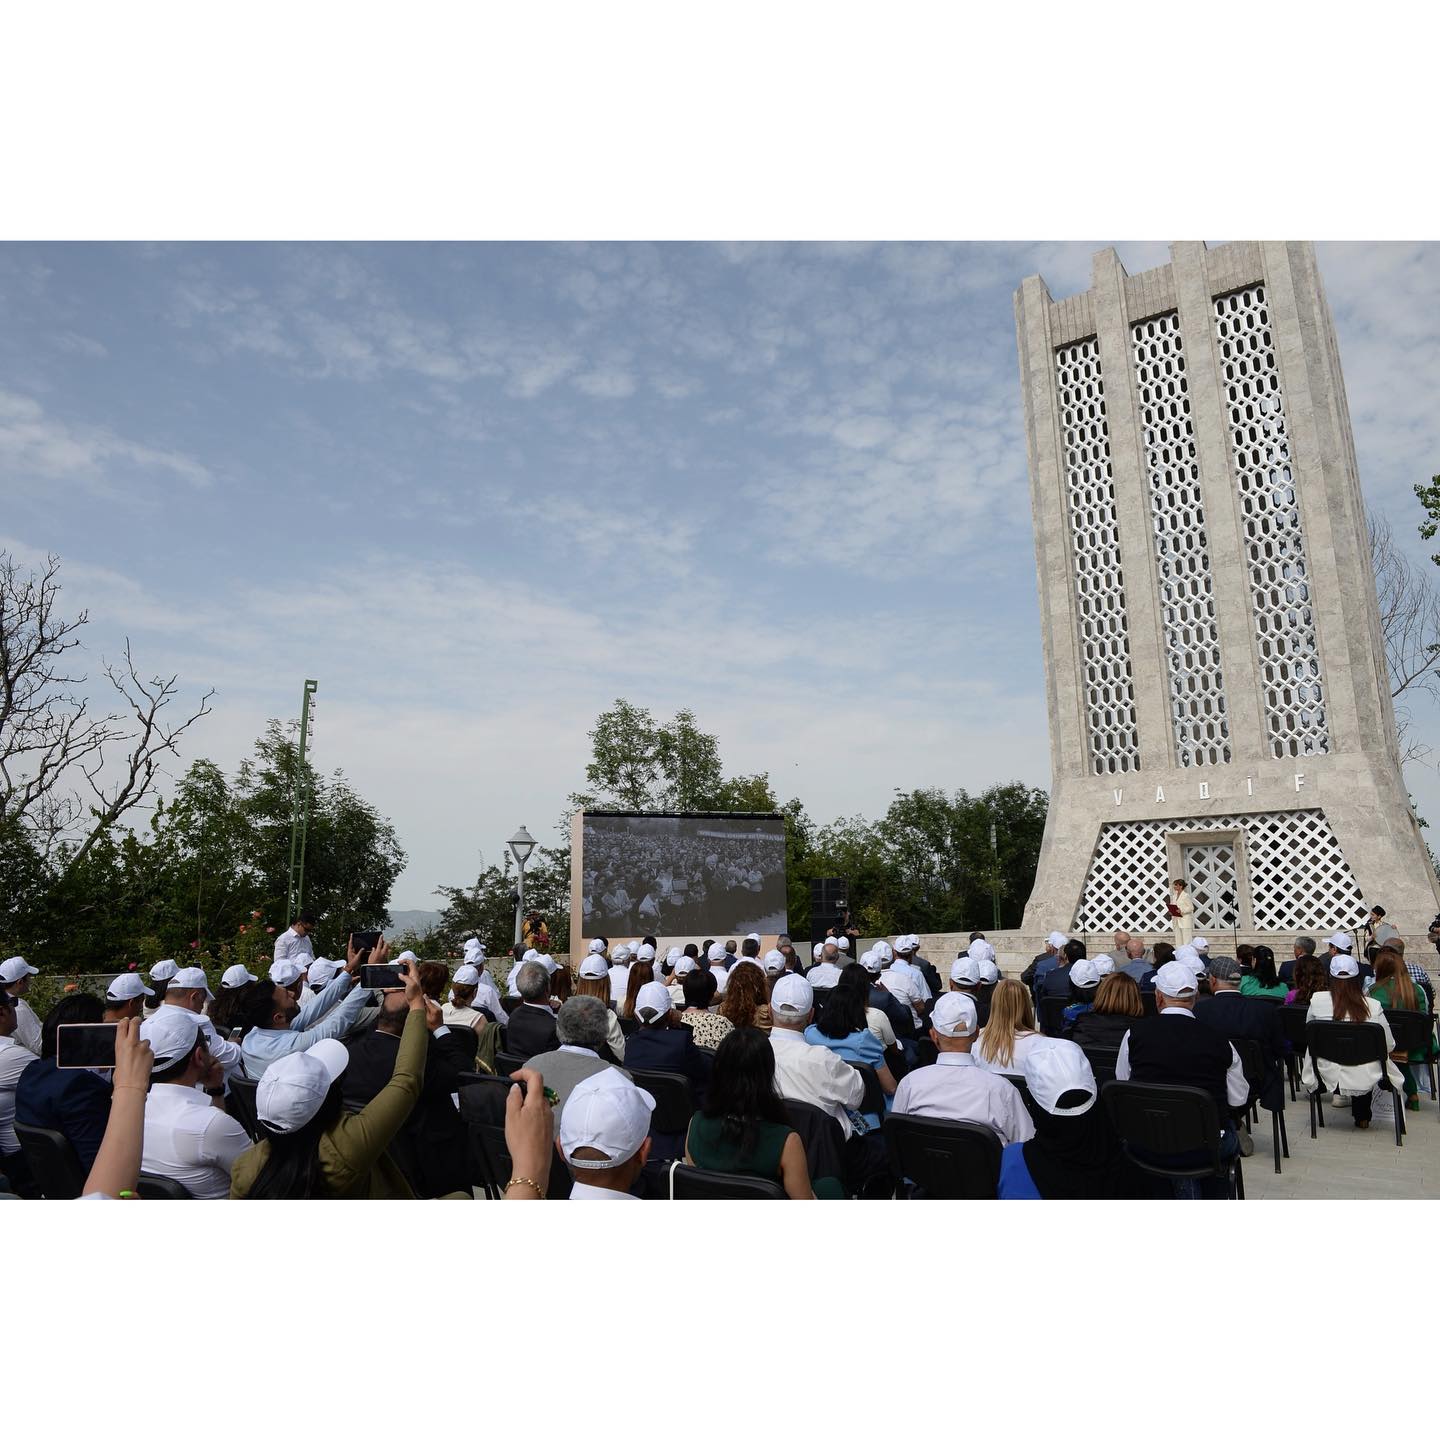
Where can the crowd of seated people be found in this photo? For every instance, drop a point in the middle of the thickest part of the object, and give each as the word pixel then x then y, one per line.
pixel 304 1084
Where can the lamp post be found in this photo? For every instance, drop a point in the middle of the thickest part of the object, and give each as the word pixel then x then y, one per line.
pixel 521 844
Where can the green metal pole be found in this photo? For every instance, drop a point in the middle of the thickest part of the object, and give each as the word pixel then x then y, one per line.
pixel 299 812
pixel 995 874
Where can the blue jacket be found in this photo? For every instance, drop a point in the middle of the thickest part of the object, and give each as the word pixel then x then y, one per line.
pixel 326 1016
pixel 74 1102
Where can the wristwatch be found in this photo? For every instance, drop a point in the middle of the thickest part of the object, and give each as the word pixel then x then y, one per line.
pixel 218 1090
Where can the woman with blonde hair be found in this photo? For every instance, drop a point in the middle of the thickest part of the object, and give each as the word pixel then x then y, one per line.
pixel 1010 1032
pixel 594 980
pixel 1117 1006
pixel 745 1003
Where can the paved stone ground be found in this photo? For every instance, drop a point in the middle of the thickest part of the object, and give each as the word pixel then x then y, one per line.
pixel 1343 1163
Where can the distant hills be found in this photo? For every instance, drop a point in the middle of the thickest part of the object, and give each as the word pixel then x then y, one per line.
pixel 421 920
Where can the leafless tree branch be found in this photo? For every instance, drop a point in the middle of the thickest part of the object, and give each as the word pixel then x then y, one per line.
pixel 1409 627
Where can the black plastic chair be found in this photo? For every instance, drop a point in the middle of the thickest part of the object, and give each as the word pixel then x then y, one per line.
pixel 1102 1060
pixel 482 1107
pixel 1292 1026
pixel 1349 1043
pixel 873 1100
pixel 1414 1030
pixel 823 1138
pixel 687 1182
pixel 53 1162
pixel 507 1063
pixel 674 1100
pixel 944 1159
pixel 1050 1010
pixel 161 1187
pixel 1257 1077
pixel 1156 1121
pixel 240 1104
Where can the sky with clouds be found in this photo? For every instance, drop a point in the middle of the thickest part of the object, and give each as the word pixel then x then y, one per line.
pixel 479 491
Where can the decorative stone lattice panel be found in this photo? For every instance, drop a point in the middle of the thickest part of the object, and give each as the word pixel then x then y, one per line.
pixel 1182 552
pixel 1212 878
pixel 1095 543
pixel 1298 878
pixel 1274 538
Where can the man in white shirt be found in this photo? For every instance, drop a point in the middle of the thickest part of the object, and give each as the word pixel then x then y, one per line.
pixel 189 991
pixel 605 1136
pixel 125 998
pixel 954 1087
pixel 826 975
pixel 160 976
pixel 294 943
pixel 619 974
pixel 188 1135
pixel 14 1057
pixel 811 1073
pixel 15 976
pixel 718 956
pixel 903 980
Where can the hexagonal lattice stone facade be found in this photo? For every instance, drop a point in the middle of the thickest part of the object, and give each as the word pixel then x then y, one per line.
pixel 1099 583
pixel 1298 878
pixel 1274 535
pixel 1182 554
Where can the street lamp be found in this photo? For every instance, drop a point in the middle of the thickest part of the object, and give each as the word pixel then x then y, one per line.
pixel 521 844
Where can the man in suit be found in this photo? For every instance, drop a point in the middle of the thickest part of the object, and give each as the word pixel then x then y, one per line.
pixel 662 1043
pixel 1046 961
pixel 580 1030
pixel 431 1146
pixel 1235 1017
pixel 531 1026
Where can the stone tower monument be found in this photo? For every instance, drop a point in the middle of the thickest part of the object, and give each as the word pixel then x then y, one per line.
pixel 1218 700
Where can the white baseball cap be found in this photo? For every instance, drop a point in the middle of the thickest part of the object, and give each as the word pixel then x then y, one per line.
pixel 1340 942
pixel 128 986
pixel 965 971
pixel 954 1015
pixel 873 961
pixel 1104 966
pixel 171 1031
pixel 164 970
pixel 672 955
pixel 192 978
pixel 1344 967
pixel 817 950
pixel 596 947
pixel 774 962
pixel 16 968
pixel 1084 974
pixel 716 952
pixel 323 971
pixel 989 972
pixel 1188 953
pixel 294 1087
pixel 843 941
pixel 653 1002
pixel 828 941
pixel 645 952
pixel 685 964
pixel 1056 939
pixel 883 950
pixel 753 936
pixel 621 952
pixel 525 959
pixel 550 964
pixel 605 1113
pixel 1054 1069
pixel 470 975
pixel 792 997
pixel 1175 978
pixel 283 972
pixel 981 949
pixel 907 944
pixel 235 977
pixel 593 967
pixel 1201 943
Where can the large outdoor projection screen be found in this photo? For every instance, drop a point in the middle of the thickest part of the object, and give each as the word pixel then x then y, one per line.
pixel 678 875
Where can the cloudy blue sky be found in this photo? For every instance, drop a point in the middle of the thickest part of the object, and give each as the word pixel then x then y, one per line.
pixel 479 491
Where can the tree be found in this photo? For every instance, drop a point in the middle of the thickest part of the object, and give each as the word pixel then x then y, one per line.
pixel 60 779
pixel 1409 626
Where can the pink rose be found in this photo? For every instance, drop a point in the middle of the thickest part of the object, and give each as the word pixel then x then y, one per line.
pixel 242 929
pixel 194 944
pixel 269 929
pixel 254 914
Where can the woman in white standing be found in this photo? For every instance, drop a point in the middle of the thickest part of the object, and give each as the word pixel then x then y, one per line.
pixel 1182 915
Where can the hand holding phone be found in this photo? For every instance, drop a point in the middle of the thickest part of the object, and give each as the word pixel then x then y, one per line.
pixel 134 1059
